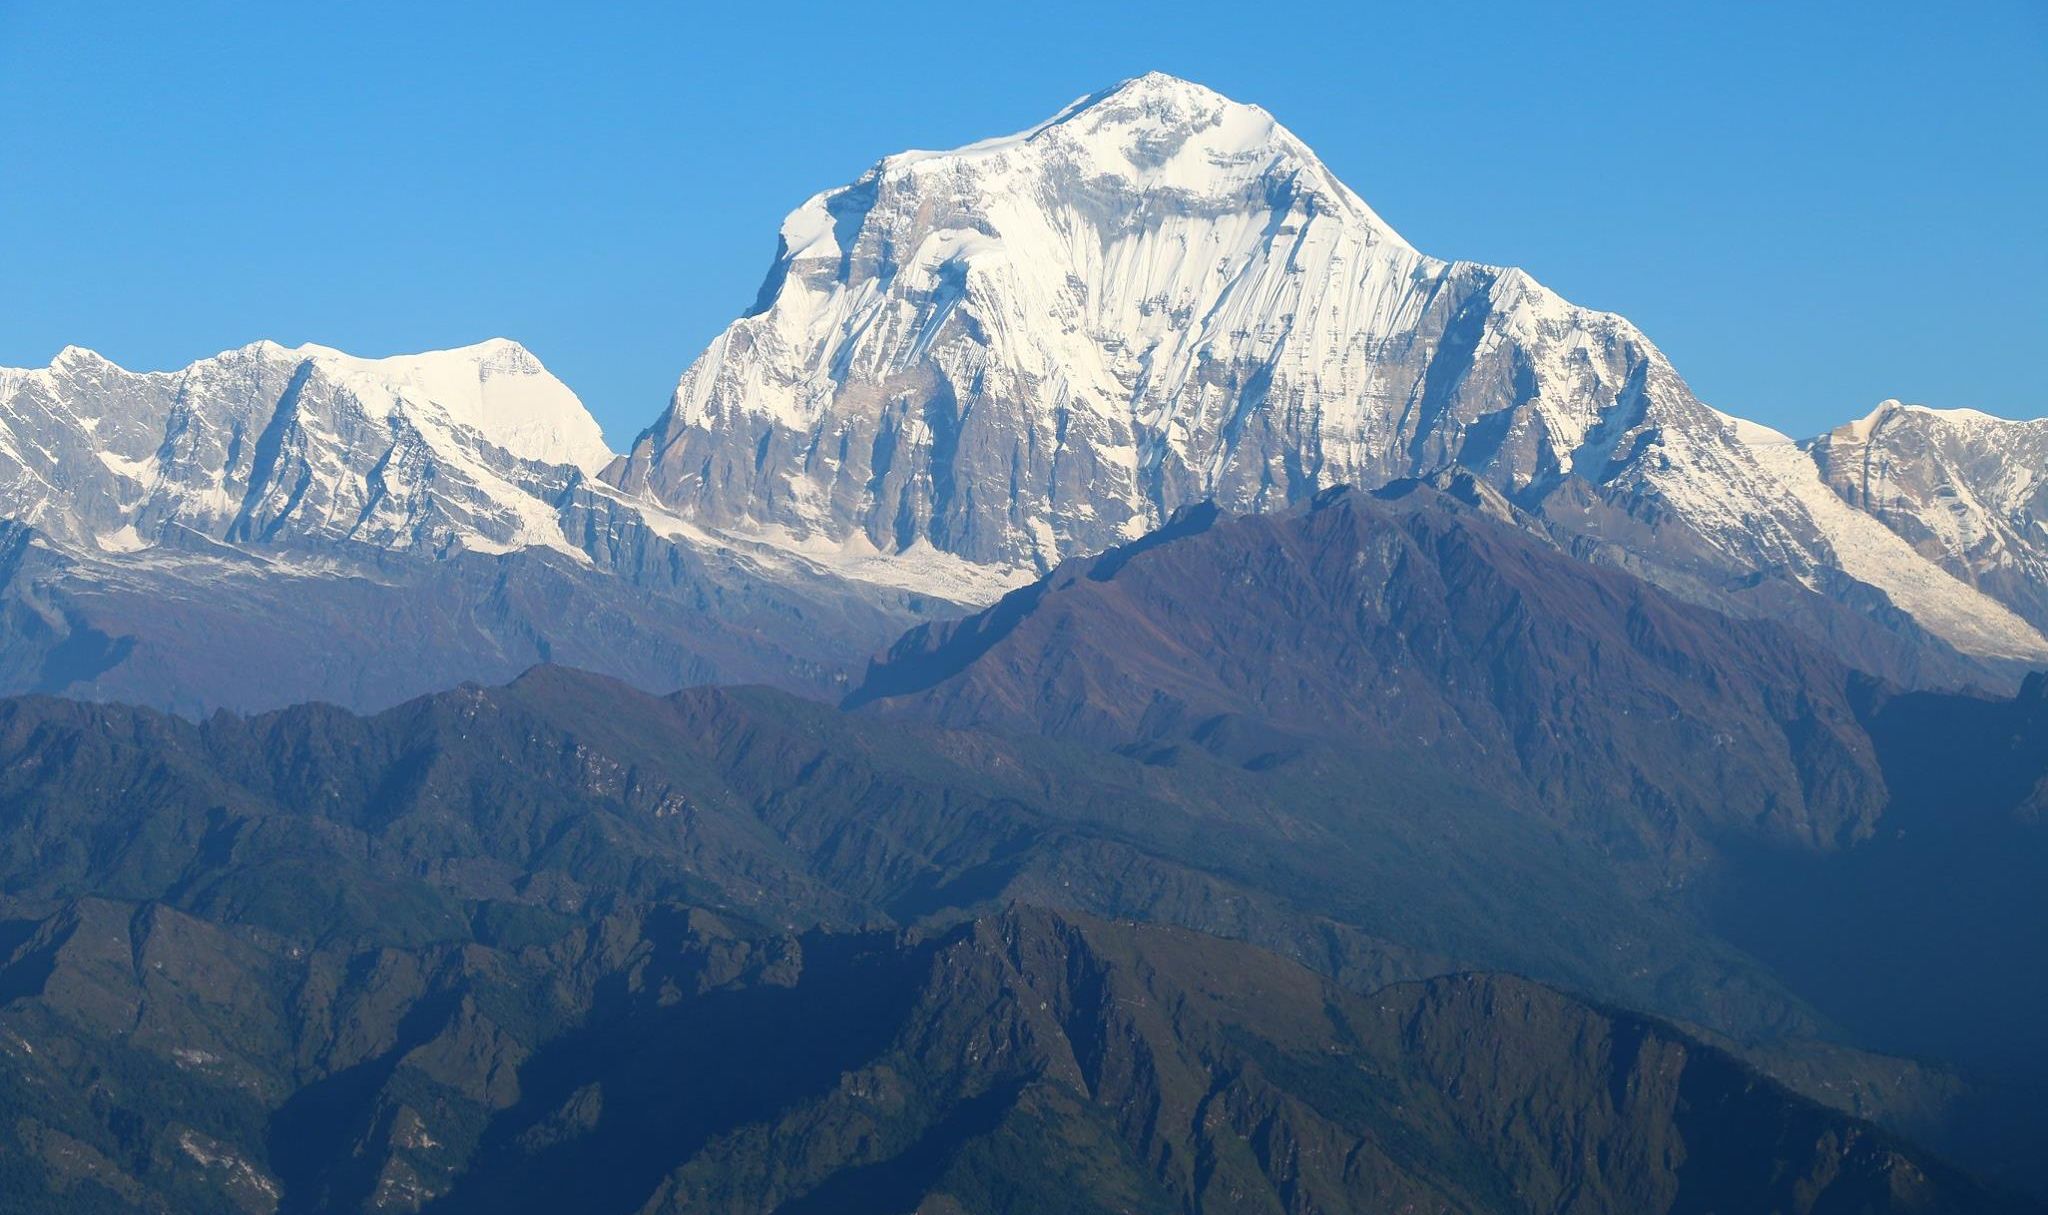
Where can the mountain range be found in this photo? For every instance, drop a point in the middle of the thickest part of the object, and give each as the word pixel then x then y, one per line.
pixel 962 369
pixel 272 525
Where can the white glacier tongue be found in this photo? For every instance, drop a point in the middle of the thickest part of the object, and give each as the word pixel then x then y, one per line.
pixel 1041 345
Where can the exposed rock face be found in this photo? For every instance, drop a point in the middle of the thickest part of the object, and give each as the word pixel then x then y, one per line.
pixel 1039 346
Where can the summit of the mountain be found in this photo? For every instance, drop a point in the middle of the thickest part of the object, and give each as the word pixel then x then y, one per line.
pixel 1156 132
pixel 497 387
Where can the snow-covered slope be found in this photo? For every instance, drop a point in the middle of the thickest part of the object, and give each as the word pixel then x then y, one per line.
pixel 1041 345
pixel 496 388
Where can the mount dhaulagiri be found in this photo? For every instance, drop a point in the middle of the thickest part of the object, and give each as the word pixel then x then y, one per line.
pixel 1039 346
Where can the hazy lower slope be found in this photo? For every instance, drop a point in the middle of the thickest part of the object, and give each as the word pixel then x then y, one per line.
pixel 510 816
pixel 1818 820
pixel 564 792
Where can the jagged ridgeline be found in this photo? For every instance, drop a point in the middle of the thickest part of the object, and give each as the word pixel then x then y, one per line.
pixel 273 526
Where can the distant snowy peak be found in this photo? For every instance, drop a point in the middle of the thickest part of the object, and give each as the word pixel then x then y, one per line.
pixel 1968 491
pixel 1966 478
pixel 1899 428
pixel 1948 602
pixel 497 388
pixel 453 448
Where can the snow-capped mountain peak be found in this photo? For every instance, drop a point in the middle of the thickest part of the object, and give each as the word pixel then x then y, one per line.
pixel 496 387
pixel 1098 272
pixel 1153 134
pixel 1040 345
pixel 1155 296
pixel 72 357
pixel 1163 133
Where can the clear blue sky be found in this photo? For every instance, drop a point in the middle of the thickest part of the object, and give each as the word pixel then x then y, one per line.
pixel 1809 206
